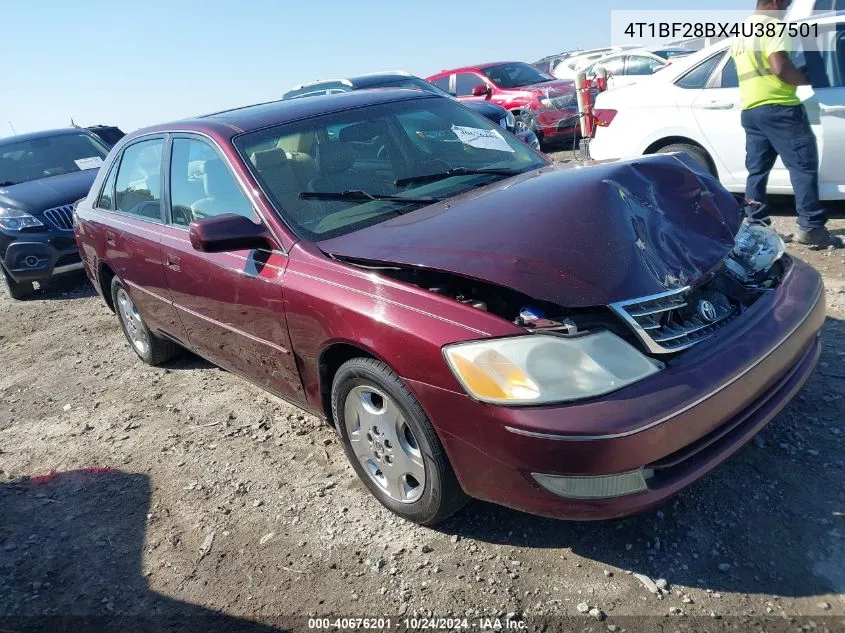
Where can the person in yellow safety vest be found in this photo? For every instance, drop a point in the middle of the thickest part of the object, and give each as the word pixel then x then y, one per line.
pixel 776 123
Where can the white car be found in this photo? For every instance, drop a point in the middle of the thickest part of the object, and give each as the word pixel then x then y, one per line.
pixel 569 67
pixel 693 106
pixel 626 68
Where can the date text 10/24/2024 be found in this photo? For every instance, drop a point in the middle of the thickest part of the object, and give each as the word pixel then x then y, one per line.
pixel 417 624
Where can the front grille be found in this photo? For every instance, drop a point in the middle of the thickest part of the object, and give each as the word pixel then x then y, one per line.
pixel 61 217
pixel 676 320
pixel 561 103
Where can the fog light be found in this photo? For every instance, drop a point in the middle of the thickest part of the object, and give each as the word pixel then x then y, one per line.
pixel 31 261
pixel 596 487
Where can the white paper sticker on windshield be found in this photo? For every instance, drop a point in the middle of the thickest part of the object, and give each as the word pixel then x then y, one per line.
pixel 483 139
pixel 89 163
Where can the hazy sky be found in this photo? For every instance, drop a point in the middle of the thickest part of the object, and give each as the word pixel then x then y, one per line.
pixel 134 64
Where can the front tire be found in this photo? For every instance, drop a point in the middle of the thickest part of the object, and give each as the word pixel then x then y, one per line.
pixel 16 290
pixel 526 122
pixel 150 348
pixel 391 444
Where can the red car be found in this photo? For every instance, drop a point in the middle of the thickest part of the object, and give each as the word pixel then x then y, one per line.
pixel 540 103
pixel 474 320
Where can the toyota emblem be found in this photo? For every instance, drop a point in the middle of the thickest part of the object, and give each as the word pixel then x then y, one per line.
pixel 706 310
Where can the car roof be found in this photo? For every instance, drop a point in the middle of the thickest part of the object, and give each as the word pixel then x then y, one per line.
pixel 42 134
pixel 477 67
pixel 253 117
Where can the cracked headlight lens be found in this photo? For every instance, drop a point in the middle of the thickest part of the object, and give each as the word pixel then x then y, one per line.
pixel 756 248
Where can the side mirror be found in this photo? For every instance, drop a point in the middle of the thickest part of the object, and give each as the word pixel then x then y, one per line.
pixel 481 90
pixel 228 232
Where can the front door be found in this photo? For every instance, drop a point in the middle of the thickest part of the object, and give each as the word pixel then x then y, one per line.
pixel 231 304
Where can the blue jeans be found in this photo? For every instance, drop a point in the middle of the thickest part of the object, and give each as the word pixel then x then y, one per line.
pixel 776 130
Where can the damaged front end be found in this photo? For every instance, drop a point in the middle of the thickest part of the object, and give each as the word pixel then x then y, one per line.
pixel 678 319
pixel 651 250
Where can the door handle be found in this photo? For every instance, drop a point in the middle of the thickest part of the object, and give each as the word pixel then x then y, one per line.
pixel 110 238
pixel 173 262
pixel 718 105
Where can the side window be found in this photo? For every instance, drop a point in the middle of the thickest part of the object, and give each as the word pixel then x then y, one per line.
pixel 442 83
pixel 201 184
pixel 698 76
pixel 613 66
pixel 640 65
pixel 106 200
pixel 138 185
pixel 465 82
pixel 729 77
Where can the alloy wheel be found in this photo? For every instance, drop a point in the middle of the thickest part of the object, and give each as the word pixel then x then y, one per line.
pixel 132 322
pixel 384 443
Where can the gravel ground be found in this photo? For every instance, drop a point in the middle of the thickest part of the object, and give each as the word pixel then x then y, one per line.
pixel 184 491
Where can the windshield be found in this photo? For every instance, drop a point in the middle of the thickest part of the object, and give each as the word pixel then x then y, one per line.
pixel 515 74
pixel 340 172
pixel 37 158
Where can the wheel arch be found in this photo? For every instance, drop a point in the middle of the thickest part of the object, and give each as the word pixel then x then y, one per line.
pixel 659 144
pixel 105 274
pixel 331 358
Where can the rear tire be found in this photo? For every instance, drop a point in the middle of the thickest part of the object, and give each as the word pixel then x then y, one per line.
pixel 391 445
pixel 16 289
pixel 696 152
pixel 150 348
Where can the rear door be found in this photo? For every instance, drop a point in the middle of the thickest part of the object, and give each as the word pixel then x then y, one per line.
pixel 717 113
pixel 130 216
pixel 231 304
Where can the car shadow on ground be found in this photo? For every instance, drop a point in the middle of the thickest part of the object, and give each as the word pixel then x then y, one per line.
pixel 64 287
pixel 187 360
pixel 71 547
pixel 769 520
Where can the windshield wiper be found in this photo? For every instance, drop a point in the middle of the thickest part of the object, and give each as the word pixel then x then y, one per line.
pixel 6 183
pixel 357 194
pixel 455 171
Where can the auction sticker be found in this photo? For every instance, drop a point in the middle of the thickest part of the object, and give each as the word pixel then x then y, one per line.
pixel 482 139
pixel 89 163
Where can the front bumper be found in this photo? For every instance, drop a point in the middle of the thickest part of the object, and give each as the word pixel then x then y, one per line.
pixel 34 256
pixel 553 122
pixel 681 423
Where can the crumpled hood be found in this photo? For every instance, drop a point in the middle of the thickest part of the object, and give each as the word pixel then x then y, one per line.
pixel 574 236
pixel 35 196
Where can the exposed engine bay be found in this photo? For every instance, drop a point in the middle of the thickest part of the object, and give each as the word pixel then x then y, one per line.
pixel 661 324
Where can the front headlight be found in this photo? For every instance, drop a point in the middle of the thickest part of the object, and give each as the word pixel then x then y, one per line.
pixel 14 220
pixel 542 368
pixel 756 248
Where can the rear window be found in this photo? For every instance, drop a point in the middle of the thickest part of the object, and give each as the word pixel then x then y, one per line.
pixel 698 76
pixel 47 156
pixel 377 151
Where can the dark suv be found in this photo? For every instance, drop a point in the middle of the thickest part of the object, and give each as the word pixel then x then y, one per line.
pixel 41 176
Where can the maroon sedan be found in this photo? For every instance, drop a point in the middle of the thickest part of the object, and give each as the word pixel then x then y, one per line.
pixel 474 320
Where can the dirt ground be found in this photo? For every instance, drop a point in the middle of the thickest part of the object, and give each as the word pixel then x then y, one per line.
pixel 185 497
